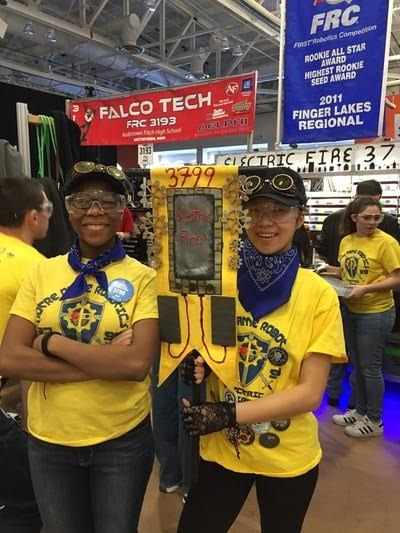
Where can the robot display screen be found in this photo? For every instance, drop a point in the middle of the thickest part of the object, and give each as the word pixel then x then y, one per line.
pixel 195 237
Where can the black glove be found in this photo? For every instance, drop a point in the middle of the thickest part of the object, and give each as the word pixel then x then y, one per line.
pixel 208 417
pixel 188 366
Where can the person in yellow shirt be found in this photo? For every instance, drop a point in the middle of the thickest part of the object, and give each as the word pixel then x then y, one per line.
pixel 370 264
pixel 24 217
pixel 262 431
pixel 84 330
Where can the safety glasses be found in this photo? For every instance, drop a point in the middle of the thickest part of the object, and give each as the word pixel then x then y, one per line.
pixel 279 214
pixel 281 183
pixel 85 167
pixel 46 209
pixel 369 218
pixel 82 202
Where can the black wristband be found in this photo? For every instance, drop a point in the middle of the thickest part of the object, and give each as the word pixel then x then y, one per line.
pixel 45 342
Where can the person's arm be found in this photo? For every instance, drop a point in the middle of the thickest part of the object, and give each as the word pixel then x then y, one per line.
pixel 304 397
pixel 392 281
pixel 111 361
pixel 209 417
pixel 19 360
pixel 332 271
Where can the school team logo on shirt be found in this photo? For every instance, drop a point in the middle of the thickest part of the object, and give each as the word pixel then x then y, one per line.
pixel 253 354
pixel 351 265
pixel 80 320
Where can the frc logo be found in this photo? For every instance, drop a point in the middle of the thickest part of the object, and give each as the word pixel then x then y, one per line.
pixel 331 2
pixel 333 19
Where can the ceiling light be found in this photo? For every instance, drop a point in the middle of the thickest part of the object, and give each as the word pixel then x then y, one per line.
pixel 196 76
pixel 28 29
pixel 225 44
pixel 51 36
pixel 150 5
pixel 237 50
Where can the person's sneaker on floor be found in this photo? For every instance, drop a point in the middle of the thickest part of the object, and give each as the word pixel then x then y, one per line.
pixel 349 417
pixel 364 428
pixel 170 489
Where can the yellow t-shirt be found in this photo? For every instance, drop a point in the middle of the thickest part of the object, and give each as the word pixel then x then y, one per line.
pixel 16 258
pixel 367 260
pixel 87 412
pixel 271 351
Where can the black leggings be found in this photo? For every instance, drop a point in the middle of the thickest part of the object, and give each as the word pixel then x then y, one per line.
pixel 216 500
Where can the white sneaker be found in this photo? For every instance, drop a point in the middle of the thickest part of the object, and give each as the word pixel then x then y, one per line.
pixel 364 428
pixel 349 417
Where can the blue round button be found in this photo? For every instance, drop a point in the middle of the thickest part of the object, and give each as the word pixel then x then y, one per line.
pixel 120 290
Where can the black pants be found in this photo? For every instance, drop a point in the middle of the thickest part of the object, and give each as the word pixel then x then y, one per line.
pixel 216 500
pixel 21 514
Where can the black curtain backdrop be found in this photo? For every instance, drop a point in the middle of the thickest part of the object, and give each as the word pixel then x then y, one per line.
pixel 41 103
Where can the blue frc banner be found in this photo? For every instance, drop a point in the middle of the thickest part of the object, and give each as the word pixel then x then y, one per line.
pixel 335 69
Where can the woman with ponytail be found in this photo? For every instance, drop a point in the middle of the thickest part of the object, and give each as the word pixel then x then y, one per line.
pixel 370 264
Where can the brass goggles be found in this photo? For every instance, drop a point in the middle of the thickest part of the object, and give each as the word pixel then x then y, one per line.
pixel 281 183
pixel 85 167
pixel 107 202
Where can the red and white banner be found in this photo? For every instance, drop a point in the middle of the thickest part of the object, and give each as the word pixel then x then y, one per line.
pixel 207 109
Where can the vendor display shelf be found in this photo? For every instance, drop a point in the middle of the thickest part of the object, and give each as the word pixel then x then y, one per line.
pixel 322 200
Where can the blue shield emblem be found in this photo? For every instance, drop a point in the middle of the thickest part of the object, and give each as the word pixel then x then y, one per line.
pixel 253 354
pixel 80 320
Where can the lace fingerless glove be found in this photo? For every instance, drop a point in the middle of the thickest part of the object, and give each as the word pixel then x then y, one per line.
pixel 208 417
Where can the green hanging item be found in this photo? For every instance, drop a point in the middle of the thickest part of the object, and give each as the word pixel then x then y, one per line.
pixel 47 148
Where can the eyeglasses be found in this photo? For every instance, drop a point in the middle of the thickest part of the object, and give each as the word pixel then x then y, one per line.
pixel 84 167
pixel 108 202
pixel 282 183
pixel 368 218
pixel 46 209
pixel 278 213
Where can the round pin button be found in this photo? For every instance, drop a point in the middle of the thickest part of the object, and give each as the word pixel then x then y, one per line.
pixel 120 290
pixel 278 356
pixel 246 436
pixel 281 424
pixel 269 440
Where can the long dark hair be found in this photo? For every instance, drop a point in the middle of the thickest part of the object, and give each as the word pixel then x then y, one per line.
pixel 354 208
pixel 301 240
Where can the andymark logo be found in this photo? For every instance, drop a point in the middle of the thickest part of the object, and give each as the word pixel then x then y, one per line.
pixel 253 354
pixel 80 320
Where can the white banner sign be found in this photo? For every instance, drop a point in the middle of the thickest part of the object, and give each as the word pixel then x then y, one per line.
pixel 145 154
pixel 377 156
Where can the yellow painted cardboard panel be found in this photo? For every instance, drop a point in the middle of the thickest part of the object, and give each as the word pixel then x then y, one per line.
pixel 183 223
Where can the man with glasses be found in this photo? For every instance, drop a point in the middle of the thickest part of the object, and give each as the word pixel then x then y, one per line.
pixel 24 217
pixel 327 247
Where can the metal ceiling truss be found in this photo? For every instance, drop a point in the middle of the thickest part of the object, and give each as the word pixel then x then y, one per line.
pixel 176 36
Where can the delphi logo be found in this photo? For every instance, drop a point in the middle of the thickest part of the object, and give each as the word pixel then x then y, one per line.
pixel 334 18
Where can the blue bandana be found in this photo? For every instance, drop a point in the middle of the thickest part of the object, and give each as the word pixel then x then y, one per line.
pixel 92 268
pixel 265 281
